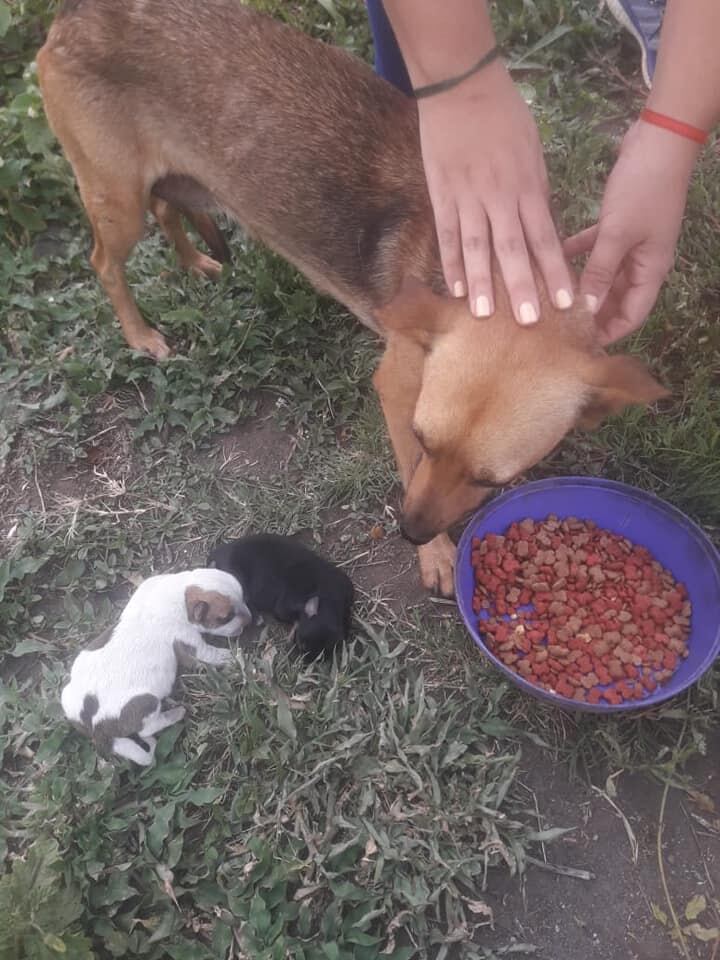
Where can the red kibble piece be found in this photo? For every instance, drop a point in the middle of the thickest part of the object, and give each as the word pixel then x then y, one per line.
pixel 603 675
pixel 584 664
pixel 670 660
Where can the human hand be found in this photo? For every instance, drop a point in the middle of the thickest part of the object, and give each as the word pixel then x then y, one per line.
pixel 632 246
pixel 489 191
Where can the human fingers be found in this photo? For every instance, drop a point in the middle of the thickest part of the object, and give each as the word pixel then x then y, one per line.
pixel 544 244
pixel 508 242
pixel 581 242
pixel 610 248
pixel 447 225
pixel 475 233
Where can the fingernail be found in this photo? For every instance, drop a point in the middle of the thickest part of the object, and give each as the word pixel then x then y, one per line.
pixel 528 314
pixel 563 299
pixel 458 289
pixel 482 306
pixel 591 302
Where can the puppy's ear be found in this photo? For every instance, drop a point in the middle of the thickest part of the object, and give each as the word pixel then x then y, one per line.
pixel 196 606
pixel 216 556
pixel 312 606
pixel 617 382
pixel 416 312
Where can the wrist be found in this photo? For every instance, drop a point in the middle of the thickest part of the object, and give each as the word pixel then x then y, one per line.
pixel 674 125
pixel 491 84
pixel 677 151
pixel 669 156
pixel 450 83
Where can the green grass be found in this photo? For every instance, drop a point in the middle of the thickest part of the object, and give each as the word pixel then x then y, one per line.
pixel 302 812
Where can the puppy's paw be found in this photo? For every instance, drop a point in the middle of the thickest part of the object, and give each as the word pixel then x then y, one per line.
pixel 224 657
pixel 437 565
pixel 175 715
pixel 151 745
pixel 204 266
pixel 151 342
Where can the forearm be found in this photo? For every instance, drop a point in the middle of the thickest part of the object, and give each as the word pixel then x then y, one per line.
pixel 440 38
pixel 686 84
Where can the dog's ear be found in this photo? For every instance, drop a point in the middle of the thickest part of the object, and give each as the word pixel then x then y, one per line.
pixel 416 312
pixel 312 606
pixel 196 606
pixel 217 556
pixel 616 382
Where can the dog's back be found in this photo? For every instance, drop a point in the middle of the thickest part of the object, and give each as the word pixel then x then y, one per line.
pixel 138 62
pixel 135 655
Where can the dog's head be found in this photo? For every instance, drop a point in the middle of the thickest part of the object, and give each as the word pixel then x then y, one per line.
pixel 317 631
pixel 494 398
pixel 215 603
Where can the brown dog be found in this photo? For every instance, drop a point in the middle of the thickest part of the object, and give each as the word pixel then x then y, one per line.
pixel 175 105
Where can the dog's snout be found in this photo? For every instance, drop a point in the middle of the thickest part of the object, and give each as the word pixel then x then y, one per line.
pixel 414 533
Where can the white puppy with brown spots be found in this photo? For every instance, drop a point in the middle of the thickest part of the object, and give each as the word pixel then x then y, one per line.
pixel 118 682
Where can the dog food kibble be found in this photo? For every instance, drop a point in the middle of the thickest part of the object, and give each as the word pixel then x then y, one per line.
pixel 579 611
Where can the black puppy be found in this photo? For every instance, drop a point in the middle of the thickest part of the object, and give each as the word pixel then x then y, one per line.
pixel 281 577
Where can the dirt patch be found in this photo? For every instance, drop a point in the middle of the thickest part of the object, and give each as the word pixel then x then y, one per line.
pixel 257 449
pixel 611 916
pixel 103 470
pixel 388 570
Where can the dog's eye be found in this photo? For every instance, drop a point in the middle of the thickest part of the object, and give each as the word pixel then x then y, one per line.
pixel 223 620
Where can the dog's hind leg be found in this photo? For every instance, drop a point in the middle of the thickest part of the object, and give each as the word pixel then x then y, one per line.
pixel 112 189
pixel 129 750
pixel 160 721
pixel 189 256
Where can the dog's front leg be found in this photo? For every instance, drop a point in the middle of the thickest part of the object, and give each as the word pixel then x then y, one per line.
pixel 397 380
pixel 206 653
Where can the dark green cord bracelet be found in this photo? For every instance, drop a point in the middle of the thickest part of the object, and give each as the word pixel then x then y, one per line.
pixel 442 85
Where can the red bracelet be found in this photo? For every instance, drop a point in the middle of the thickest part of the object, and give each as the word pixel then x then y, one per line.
pixel 675 126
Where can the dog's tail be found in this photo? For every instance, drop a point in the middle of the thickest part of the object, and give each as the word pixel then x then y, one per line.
pixel 211 234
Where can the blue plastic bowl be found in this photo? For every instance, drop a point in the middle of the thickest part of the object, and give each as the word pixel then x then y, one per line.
pixel 674 540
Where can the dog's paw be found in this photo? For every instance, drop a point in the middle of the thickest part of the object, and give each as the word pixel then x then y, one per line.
pixel 224 657
pixel 204 266
pixel 151 342
pixel 437 565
